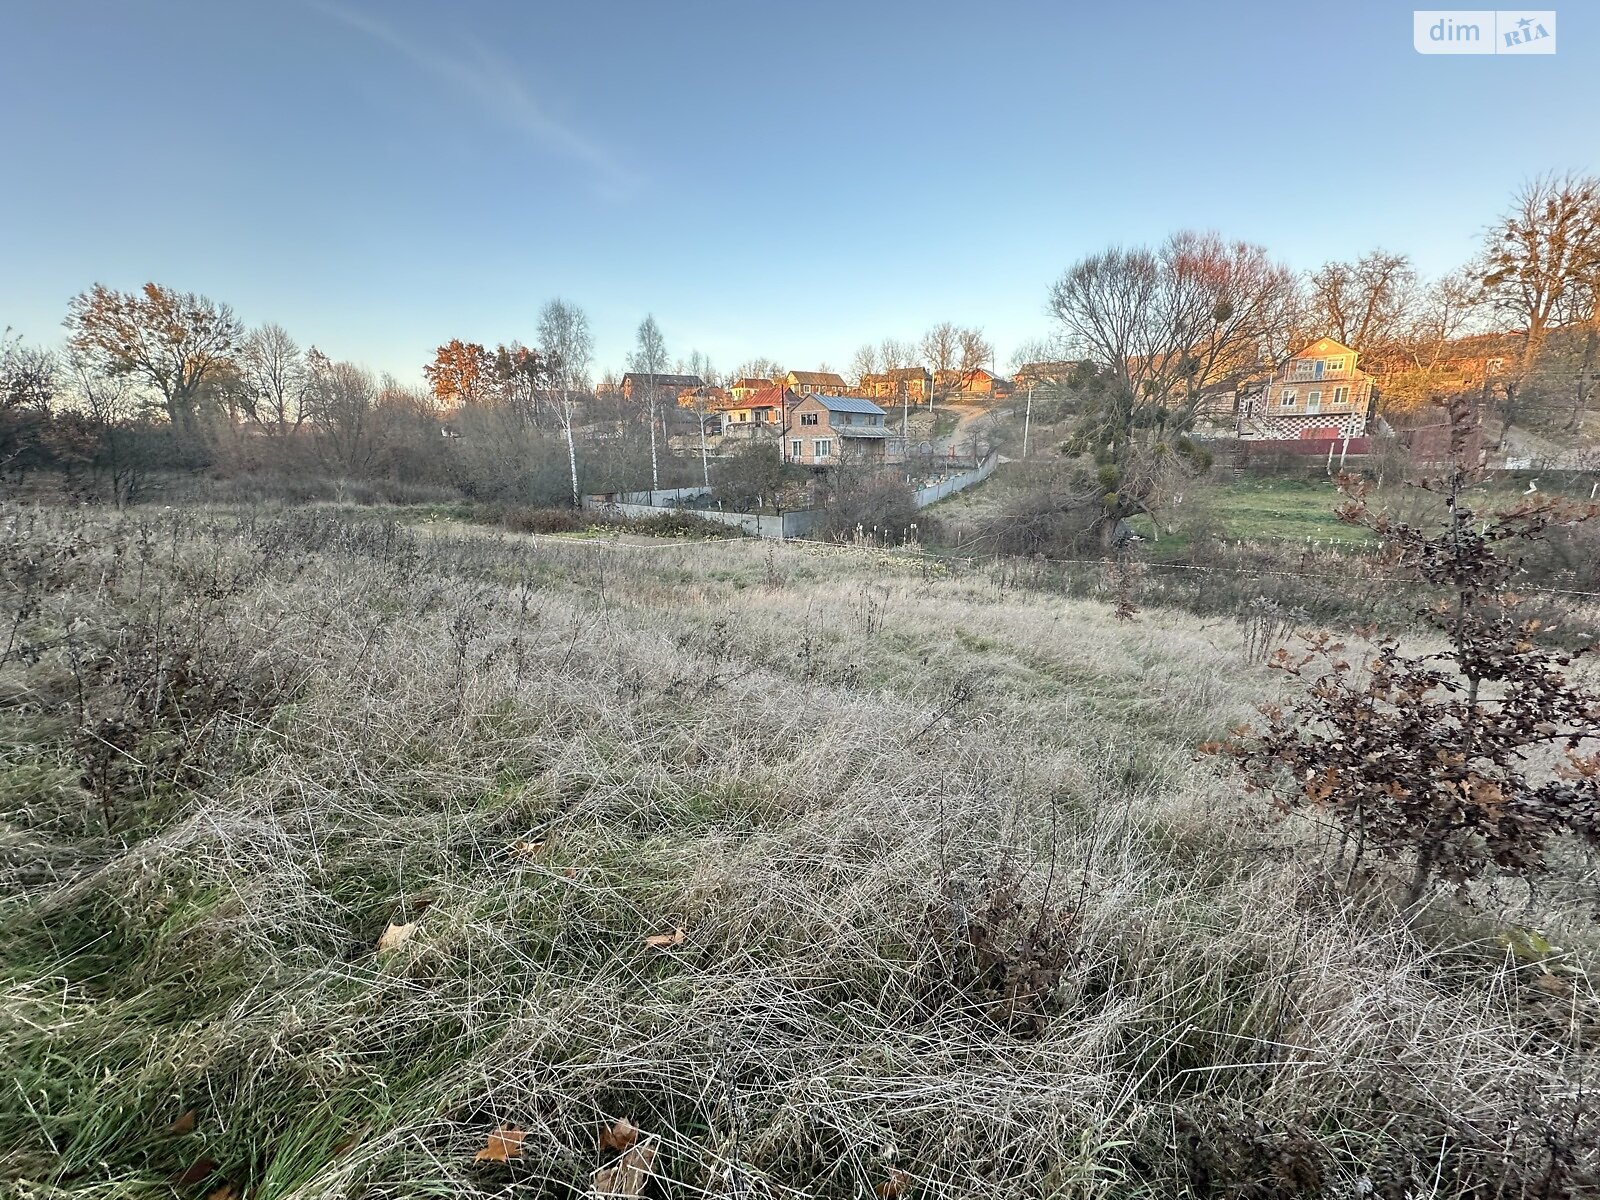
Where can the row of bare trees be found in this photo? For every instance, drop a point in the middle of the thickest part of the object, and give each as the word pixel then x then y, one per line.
pixel 950 352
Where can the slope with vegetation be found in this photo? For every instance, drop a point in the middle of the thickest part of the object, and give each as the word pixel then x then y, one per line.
pixel 343 858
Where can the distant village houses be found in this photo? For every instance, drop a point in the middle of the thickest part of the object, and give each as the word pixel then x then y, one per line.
pixel 636 385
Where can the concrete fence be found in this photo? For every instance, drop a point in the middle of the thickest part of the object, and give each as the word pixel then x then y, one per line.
pixel 666 501
pixel 670 500
pixel 933 492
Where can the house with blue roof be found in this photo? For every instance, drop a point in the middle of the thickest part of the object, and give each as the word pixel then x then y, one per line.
pixel 825 431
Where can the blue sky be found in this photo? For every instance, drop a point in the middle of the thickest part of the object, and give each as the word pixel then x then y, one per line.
pixel 787 179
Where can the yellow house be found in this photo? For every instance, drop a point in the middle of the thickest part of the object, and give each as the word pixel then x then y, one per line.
pixel 1319 393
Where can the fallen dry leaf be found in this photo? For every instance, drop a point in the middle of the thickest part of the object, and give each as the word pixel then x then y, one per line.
pixel 345 1146
pixel 200 1168
pixel 225 1192
pixel 620 1137
pixel 1553 984
pixel 628 1175
pixel 396 936
pixel 528 849
pixel 503 1145
pixel 893 1186
pixel 184 1124
pixel 675 938
pixel 571 872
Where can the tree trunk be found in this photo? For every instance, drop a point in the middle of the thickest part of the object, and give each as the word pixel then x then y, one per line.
pixel 1585 371
pixel 655 470
pixel 572 458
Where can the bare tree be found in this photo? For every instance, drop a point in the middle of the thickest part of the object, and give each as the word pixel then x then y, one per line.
pixel 112 406
pixel 170 340
pixel 941 350
pixel 29 379
pixel 568 349
pixel 1366 304
pixel 1168 322
pixel 341 404
pixel 1542 258
pixel 759 368
pixel 649 359
pixel 275 377
pixel 864 363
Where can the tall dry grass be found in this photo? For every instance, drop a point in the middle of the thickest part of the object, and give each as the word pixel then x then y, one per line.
pixel 961 914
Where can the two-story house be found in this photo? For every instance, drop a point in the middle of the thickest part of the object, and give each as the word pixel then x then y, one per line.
pixel 748 385
pixel 764 407
pixel 824 431
pixel 816 383
pixel 1319 393
pixel 914 384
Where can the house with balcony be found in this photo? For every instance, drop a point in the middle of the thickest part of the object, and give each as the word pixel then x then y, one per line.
pixel 1318 393
pixel 824 431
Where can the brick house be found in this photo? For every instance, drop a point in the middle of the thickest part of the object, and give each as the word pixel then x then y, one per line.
pixel 824 431
pixel 816 383
pixel 906 383
pixel 1319 393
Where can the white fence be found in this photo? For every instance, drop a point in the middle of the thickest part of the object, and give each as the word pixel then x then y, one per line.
pixel 668 501
pixel 949 486
pixel 665 501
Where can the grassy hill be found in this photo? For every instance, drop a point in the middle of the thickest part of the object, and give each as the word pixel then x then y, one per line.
pixel 332 846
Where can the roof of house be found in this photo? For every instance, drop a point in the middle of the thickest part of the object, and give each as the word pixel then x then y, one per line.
pixel 861 431
pixel 818 378
pixel 751 381
pixel 848 404
pixel 770 396
pixel 677 382
pixel 1325 345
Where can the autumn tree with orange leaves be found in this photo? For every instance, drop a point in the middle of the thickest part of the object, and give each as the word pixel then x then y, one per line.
pixel 461 375
pixel 175 342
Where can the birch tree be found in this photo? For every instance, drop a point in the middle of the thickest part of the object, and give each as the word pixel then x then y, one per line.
pixel 649 359
pixel 568 348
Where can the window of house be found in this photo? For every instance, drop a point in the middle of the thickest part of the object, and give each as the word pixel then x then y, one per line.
pixel 1313 401
pixel 808 418
pixel 1286 400
pixel 1335 364
pixel 744 416
pixel 822 448
pixel 796 448
pixel 1341 395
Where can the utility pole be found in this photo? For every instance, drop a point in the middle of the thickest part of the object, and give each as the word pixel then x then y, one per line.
pixel 905 427
pixel 1027 420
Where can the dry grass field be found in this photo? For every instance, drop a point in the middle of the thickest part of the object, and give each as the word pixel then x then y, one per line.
pixel 329 847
